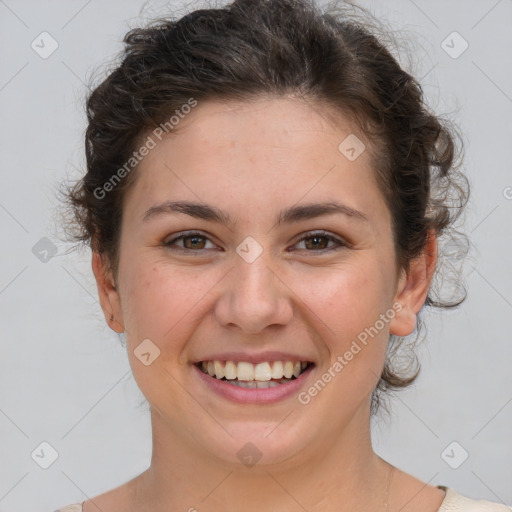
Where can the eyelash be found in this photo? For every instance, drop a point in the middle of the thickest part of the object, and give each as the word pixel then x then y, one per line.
pixel 312 234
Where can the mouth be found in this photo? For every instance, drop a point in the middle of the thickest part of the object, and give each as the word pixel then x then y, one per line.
pixel 263 375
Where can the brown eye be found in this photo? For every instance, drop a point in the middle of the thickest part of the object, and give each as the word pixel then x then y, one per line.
pixel 317 242
pixel 194 242
pixel 190 242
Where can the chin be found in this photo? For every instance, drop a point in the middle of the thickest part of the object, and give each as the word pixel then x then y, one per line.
pixel 254 445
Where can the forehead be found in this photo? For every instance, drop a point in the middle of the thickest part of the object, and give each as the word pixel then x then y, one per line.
pixel 257 153
pixel 274 123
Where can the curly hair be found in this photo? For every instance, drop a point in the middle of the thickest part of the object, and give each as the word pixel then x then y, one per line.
pixel 253 48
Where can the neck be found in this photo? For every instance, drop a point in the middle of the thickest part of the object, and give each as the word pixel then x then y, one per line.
pixel 342 474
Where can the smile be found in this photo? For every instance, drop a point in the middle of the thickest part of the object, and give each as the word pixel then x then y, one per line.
pixel 247 375
pixel 253 377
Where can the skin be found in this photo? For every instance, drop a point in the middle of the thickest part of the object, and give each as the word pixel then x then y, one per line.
pixel 252 160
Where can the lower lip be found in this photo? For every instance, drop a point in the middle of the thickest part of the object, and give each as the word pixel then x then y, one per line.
pixel 254 396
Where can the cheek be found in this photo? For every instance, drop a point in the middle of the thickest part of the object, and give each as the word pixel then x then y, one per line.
pixel 160 306
pixel 163 304
pixel 348 298
pixel 349 302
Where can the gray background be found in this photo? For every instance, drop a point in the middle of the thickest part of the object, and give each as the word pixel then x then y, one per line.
pixel 65 378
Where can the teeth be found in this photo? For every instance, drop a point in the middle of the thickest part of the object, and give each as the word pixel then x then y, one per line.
pixel 288 369
pixel 219 369
pixel 252 384
pixel 245 371
pixel 230 370
pixel 262 372
pixel 277 370
pixel 248 373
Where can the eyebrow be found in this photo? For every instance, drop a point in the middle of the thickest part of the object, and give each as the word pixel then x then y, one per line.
pixel 286 216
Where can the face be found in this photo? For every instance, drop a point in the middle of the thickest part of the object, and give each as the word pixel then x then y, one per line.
pixel 279 284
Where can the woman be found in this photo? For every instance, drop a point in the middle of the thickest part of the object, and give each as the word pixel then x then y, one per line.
pixel 264 195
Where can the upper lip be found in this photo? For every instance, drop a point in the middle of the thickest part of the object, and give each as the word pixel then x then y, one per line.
pixel 254 358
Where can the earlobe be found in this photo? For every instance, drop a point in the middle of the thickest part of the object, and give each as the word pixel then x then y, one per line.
pixel 108 293
pixel 413 287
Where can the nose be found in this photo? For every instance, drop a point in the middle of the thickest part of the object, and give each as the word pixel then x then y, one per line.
pixel 254 297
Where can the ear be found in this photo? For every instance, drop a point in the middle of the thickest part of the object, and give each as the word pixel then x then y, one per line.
pixel 108 293
pixel 412 289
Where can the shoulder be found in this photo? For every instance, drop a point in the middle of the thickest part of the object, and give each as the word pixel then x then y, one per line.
pixel 453 502
pixel 458 503
pixel 76 507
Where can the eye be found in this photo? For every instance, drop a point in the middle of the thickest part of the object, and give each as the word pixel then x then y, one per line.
pixel 319 241
pixel 196 242
pixel 192 240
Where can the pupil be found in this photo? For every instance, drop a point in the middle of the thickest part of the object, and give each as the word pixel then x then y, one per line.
pixel 316 239
pixel 195 239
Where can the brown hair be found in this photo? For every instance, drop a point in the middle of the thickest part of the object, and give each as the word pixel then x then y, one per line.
pixel 254 48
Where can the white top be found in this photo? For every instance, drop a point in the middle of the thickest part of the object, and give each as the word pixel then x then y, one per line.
pixel 453 502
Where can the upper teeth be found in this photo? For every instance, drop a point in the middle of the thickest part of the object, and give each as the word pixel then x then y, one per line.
pixel 248 371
